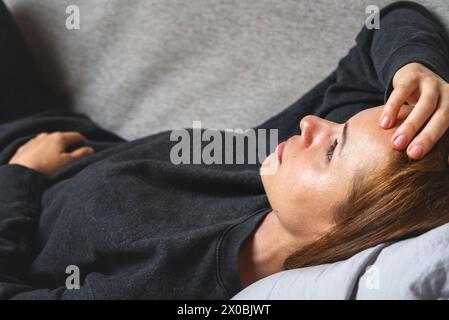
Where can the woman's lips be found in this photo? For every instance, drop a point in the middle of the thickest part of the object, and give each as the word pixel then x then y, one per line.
pixel 280 148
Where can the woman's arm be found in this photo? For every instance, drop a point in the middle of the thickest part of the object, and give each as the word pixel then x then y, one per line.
pixel 408 33
pixel 22 184
pixel 46 153
pixel 410 53
pixel 19 215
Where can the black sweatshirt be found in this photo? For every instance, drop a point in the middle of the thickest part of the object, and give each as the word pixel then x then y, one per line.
pixel 140 227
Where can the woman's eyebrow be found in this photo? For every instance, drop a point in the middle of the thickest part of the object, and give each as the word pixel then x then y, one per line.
pixel 344 137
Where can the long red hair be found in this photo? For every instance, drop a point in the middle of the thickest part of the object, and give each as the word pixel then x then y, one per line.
pixel 403 199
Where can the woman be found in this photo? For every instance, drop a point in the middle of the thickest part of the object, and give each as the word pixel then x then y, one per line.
pixel 136 226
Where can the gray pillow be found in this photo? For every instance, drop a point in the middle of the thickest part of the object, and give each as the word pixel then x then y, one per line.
pixel 416 268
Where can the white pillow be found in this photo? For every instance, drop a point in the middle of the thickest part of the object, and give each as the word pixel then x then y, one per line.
pixel 416 268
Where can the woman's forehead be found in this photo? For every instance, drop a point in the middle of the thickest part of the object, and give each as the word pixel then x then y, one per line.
pixel 367 141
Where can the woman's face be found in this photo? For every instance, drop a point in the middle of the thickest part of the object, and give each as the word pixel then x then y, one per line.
pixel 312 175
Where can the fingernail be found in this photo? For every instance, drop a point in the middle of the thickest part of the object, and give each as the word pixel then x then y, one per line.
pixel 400 141
pixel 416 152
pixel 385 122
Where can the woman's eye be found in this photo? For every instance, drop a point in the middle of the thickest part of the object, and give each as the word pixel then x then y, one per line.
pixel 330 150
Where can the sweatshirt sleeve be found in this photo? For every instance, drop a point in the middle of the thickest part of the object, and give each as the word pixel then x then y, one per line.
pixel 408 33
pixel 19 213
pixel 20 197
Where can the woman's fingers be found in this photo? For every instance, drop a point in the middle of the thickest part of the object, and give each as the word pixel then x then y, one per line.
pixel 80 153
pixel 397 98
pixel 431 133
pixel 69 138
pixel 429 118
pixel 423 110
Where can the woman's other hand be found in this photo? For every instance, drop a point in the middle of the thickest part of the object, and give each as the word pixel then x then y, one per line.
pixel 46 152
pixel 428 94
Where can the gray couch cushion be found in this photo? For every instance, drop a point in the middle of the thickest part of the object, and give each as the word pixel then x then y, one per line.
pixel 141 66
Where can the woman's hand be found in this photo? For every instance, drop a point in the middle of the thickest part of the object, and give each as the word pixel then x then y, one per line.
pixel 46 152
pixel 428 94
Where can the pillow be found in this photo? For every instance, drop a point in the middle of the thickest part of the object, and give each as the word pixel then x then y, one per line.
pixel 415 268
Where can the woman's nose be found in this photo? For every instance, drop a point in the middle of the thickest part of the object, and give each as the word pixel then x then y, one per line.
pixel 306 123
pixel 313 126
pixel 306 126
